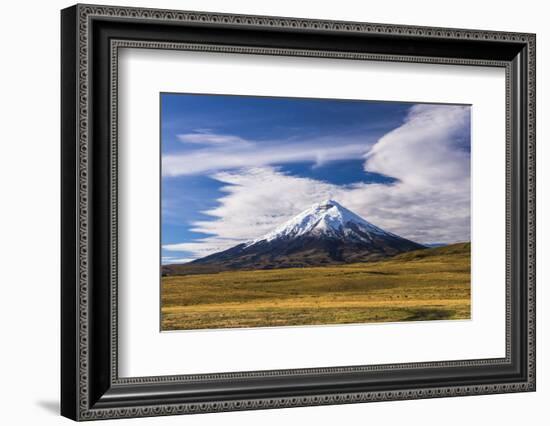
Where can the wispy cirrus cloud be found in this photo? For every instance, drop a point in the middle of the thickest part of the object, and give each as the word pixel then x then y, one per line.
pixel 430 201
pixel 207 137
pixel 255 155
pixel 173 260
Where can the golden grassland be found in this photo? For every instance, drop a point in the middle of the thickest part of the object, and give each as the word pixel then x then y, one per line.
pixel 432 284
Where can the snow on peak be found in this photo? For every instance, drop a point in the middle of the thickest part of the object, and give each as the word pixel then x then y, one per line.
pixel 325 219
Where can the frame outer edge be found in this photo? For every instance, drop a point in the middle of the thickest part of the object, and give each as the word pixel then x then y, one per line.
pixel 83 229
pixel 531 200
pixel 69 192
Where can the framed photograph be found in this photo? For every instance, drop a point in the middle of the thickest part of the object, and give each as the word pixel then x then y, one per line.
pixel 264 212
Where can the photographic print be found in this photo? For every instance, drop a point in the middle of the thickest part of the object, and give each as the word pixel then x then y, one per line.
pixel 295 211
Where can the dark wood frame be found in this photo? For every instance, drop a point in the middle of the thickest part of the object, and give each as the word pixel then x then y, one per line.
pixel 91 37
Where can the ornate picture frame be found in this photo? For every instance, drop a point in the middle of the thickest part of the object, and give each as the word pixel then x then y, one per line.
pixel 91 38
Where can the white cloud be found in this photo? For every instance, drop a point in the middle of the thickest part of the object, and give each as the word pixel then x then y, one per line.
pixel 425 148
pixel 429 203
pixel 246 153
pixel 206 137
pixel 204 246
pixel 167 260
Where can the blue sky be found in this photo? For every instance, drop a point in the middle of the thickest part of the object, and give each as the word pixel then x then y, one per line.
pixel 233 167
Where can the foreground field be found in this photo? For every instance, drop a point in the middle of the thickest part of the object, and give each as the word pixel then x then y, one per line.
pixel 432 284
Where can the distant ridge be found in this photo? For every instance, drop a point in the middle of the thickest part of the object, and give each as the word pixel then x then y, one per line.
pixel 326 233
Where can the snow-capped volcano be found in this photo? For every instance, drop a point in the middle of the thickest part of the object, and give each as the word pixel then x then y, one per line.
pixel 326 233
pixel 327 219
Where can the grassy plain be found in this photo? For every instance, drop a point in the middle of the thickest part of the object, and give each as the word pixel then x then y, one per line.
pixel 431 284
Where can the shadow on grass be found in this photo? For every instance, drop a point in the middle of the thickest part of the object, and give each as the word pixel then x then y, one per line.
pixel 429 314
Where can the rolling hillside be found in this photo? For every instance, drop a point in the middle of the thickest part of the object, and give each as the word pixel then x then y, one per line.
pixel 427 284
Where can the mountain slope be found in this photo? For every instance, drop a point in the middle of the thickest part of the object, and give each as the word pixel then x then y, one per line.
pixel 326 233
